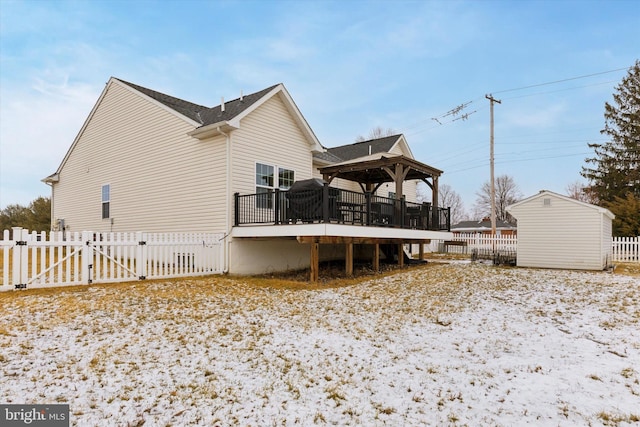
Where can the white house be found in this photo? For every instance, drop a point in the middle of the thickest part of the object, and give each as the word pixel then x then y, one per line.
pixel 556 231
pixel 147 161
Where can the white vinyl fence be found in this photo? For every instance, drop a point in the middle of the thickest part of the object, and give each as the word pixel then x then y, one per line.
pixel 37 260
pixel 624 249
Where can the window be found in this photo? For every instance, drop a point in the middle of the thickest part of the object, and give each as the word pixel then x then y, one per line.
pixel 106 198
pixel 267 181
pixel 285 179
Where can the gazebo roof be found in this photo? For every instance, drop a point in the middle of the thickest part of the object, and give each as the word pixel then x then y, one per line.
pixel 377 169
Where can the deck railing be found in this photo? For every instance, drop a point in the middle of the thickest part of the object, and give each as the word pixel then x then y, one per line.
pixel 334 205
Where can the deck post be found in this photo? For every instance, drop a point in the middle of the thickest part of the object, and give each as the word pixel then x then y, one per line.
pixel 276 207
pixel 315 261
pixel 325 202
pixel 400 255
pixel 421 251
pixel 349 259
pixel 376 257
pixel 236 210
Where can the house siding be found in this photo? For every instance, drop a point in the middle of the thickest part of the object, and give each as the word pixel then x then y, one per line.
pixel 268 135
pixel 563 234
pixel 153 167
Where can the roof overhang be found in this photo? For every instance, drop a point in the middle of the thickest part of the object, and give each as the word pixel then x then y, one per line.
pixel 212 130
pixel 51 179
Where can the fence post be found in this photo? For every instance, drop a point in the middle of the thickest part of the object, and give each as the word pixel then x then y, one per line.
pixel 18 268
pixel 141 255
pixel 86 257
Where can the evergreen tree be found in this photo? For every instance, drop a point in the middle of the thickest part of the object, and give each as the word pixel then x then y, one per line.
pixel 615 168
pixel 627 212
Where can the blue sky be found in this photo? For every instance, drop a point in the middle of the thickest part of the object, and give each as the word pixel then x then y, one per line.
pixel 349 65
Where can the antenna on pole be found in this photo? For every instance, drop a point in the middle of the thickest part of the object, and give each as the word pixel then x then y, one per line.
pixel 492 101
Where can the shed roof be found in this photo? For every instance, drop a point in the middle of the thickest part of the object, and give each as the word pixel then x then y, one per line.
pixel 512 209
pixel 484 224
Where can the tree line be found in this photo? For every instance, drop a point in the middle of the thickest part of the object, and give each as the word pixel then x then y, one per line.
pixel 35 217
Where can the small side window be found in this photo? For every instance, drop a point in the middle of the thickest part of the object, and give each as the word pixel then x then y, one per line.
pixel 106 200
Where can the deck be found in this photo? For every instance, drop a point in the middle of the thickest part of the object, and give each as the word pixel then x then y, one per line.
pixel 328 205
pixel 332 216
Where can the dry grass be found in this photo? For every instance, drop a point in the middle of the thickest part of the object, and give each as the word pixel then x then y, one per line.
pixel 628 269
pixel 185 347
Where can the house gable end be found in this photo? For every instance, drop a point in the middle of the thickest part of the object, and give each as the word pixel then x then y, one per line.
pixel 136 90
pixel 280 91
pixel 53 178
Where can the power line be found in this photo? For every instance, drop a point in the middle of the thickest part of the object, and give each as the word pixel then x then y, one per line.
pixel 561 90
pixel 484 163
pixel 561 81
pixel 456 110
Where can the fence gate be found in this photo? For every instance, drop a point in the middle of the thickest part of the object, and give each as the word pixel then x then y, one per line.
pixel 36 260
pixel 33 260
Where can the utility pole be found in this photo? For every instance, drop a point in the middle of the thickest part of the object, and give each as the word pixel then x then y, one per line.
pixel 492 101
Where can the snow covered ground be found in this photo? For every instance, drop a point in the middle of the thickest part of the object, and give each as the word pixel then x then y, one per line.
pixel 443 344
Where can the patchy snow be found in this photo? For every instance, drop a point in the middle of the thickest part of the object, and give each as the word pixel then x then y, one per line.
pixel 443 344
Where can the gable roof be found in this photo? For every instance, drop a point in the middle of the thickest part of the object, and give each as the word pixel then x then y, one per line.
pixel 361 149
pixel 207 120
pixel 547 193
pixel 200 113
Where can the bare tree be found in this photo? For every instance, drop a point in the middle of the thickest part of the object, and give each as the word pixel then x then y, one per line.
pixel 376 132
pixel 507 193
pixel 447 198
pixel 577 190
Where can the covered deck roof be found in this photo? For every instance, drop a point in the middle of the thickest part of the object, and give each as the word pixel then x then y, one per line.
pixel 373 171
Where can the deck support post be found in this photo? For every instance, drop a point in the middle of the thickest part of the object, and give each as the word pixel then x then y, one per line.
pixel 421 251
pixel 376 257
pixel 349 259
pixel 400 255
pixel 315 261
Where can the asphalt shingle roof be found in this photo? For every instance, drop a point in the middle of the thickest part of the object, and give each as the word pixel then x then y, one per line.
pixel 361 149
pixel 201 113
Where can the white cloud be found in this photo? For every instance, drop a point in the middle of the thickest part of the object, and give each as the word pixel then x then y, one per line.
pixel 38 126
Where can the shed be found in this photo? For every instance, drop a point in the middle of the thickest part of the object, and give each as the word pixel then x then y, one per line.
pixel 556 231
